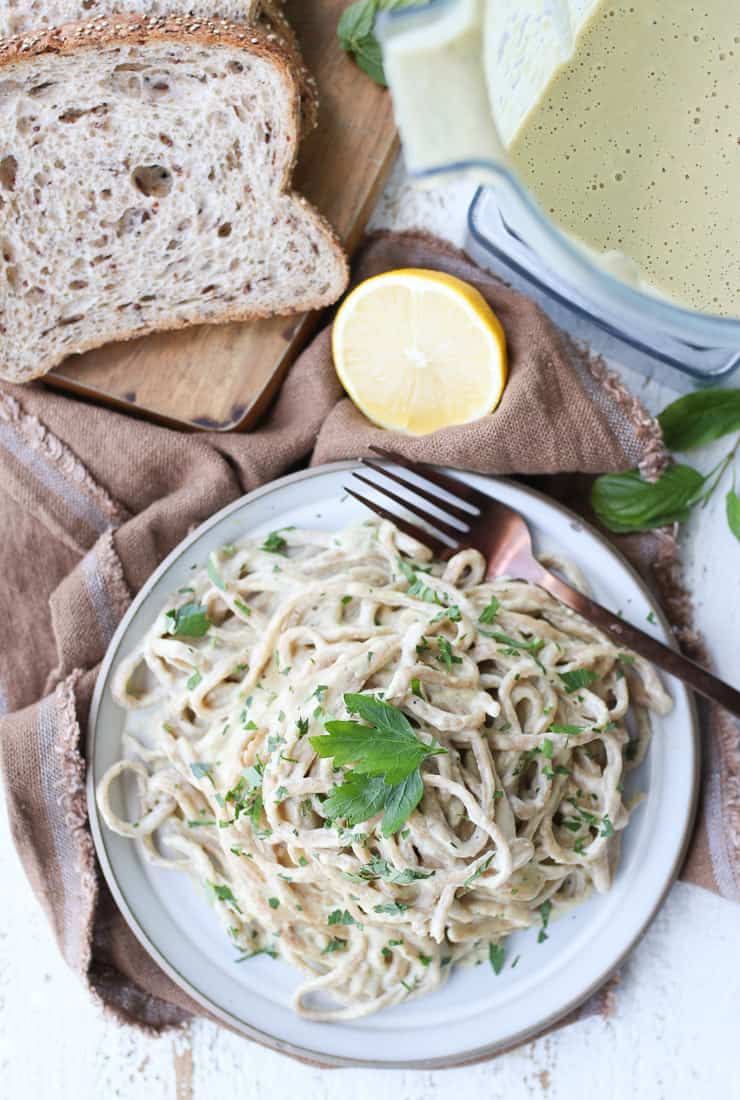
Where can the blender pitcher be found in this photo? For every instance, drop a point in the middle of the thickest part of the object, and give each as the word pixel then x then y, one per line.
pixel 464 75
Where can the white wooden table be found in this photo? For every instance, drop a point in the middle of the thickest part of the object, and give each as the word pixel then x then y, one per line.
pixel 674 1034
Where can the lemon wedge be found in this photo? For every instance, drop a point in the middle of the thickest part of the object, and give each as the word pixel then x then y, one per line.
pixel 419 350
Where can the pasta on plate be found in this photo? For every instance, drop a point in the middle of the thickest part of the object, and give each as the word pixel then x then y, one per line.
pixel 377 765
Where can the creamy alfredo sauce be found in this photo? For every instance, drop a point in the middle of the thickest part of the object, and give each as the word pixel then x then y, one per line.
pixel 634 148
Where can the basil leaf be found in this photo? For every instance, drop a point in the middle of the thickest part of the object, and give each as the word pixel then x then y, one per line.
pixel 189 621
pixel 401 802
pixel 732 502
pixel 356 33
pixel 700 418
pixel 356 22
pixel 624 502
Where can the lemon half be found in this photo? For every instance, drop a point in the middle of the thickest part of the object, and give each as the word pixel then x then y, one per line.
pixel 419 350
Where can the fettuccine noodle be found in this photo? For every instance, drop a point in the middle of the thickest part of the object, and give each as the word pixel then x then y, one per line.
pixel 520 817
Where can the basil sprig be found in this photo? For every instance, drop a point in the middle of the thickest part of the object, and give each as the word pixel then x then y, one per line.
pixel 626 502
pixel 356 33
pixel 700 418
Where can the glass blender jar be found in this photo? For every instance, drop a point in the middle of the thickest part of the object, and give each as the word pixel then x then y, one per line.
pixel 465 75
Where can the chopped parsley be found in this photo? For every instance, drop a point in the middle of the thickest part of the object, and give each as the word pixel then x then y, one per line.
pixel 274 543
pixel 203 771
pixel 391 908
pixel 490 611
pixel 496 957
pixel 334 944
pixel 446 656
pixel 577 678
pixel 417 587
pixel 194 680
pixel 224 893
pixel 214 576
pixel 377 868
pixel 341 916
pixel 189 621
pixel 545 910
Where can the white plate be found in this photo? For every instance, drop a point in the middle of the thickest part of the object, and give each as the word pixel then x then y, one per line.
pixel 476 1013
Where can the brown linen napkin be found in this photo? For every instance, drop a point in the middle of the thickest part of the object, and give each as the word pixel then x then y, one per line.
pixel 91 501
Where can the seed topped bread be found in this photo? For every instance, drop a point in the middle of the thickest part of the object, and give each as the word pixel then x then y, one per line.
pixel 26 16
pixel 145 168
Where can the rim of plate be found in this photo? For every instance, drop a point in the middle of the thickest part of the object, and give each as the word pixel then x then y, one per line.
pixel 305 1054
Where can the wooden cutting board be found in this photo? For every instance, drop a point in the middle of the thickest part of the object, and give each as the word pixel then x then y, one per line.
pixel 224 376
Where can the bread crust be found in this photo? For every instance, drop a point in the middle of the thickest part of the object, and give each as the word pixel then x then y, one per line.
pixel 130 29
pixel 273 18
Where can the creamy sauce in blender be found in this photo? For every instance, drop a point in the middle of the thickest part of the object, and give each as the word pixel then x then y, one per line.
pixel 633 147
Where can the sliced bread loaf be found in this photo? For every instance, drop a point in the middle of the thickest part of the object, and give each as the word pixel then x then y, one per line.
pixel 145 171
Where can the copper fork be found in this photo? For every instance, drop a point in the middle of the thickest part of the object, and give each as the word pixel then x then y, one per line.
pixel 474 519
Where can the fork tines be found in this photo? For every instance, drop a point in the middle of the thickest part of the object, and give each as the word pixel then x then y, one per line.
pixel 463 511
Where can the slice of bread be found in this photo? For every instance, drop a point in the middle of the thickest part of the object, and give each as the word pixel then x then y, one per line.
pixel 26 16
pixel 145 170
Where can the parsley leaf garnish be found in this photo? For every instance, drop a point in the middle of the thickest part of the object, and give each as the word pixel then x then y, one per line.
pixel 214 576
pixel 194 680
pixel 386 755
pixel 386 746
pixel 496 957
pixel 341 916
pixel 380 868
pixel 391 908
pixel 417 587
pixel 490 611
pixel 274 543
pixel 224 893
pixel 189 621
pixel 532 647
pixel 446 656
pixel 572 730
pixel 334 944
pixel 577 678
pixel 545 910
pixel 203 771
pixel 480 870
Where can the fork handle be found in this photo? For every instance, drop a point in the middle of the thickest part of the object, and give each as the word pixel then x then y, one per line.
pixel 629 636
